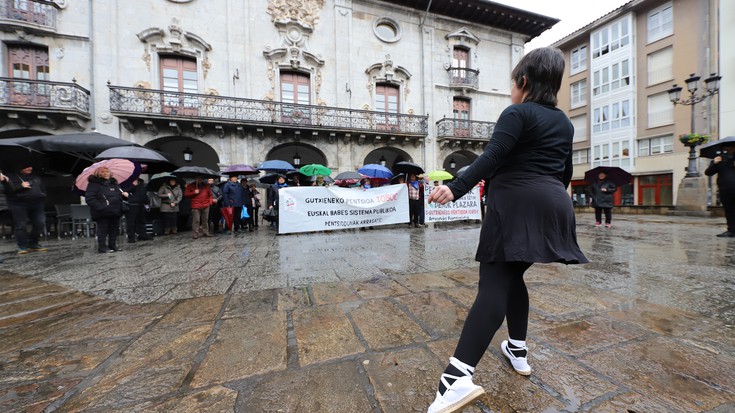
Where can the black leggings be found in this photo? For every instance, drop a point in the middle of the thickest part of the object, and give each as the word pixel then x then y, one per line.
pixel 501 294
pixel 608 214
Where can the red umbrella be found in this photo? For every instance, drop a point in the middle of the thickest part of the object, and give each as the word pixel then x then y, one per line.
pixel 123 170
pixel 227 214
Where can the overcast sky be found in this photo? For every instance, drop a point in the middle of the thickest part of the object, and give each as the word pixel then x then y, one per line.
pixel 574 14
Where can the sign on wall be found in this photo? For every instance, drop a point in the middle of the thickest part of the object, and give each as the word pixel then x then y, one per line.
pixel 304 209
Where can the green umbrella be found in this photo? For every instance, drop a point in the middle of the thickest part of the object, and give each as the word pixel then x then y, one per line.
pixel 315 169
pixel 440 175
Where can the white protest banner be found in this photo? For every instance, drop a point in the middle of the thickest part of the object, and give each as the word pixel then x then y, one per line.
pixel 467 207
pixel 318 208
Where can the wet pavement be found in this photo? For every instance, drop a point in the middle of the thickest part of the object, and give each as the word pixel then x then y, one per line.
pixel 364 321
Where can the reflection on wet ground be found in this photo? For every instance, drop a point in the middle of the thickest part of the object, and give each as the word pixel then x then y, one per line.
pixel 359 321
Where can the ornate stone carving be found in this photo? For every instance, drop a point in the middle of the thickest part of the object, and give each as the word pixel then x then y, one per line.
pixel 305 12
pixel 174 40
pixel 206 65
pixel 147 57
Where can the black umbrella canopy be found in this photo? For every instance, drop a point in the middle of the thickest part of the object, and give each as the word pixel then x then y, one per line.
pixel 133 153
pixel 714 149
pixel 270 178
pixel 408 168
pixel 195 171
pixel 72 142
pixel 13 157
pixel 617 175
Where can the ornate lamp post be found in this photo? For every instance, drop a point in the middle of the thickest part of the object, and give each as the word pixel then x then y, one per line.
pixel 712 84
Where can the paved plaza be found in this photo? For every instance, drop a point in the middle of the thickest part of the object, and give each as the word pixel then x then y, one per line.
pixel 365 321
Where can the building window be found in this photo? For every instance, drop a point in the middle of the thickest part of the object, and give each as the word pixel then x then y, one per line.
pixel 578 60
pixel 581 156
pixel 655 190
pixel 619 34
pixel 179 76
pixel 660 22
pixel 660 110
pixel 612 37
pixel 580 128
pixel 28 64
pixel 460 61
pixel 620 75
pixel 655 146
pixel 620 114
pixel 601 81
pixel 296 96
pixel 579 93
pixel 661 66
pixel 386 100
pixel 387 29
pixel 461 112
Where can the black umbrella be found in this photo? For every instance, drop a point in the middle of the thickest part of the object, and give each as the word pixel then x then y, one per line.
pixel 408 168
pixel 196 171
pixel 714 149
pixel 133 153
pixel 240 169
pixel 617 175
pixel 14 156
pixel 270 178
pixel 349 175
pixel 397 178
pixel 72 142
pixel 327 178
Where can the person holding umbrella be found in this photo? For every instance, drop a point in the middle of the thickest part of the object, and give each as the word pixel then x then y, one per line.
pixel 415 199
pixel 26 195
pixel 529 219
pixel 170 195
pixel 105 200
pixel 201 200
pixel 273 198
pixel 135 216
pixel 232 197
pixel 602 199
pixel 724 166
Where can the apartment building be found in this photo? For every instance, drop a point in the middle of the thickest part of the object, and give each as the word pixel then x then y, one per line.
pixel 219 82
pixel 620 68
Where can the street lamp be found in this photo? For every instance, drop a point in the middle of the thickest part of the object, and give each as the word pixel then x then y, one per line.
pixel 452 164
pixel 296 159
pixel 382 160
pixel 713 87
pixel 188 155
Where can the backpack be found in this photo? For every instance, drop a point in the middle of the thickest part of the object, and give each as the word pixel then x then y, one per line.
pixel 154 201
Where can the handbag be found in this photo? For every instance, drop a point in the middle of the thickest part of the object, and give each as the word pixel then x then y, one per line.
pixel 244 214
pixel 270 214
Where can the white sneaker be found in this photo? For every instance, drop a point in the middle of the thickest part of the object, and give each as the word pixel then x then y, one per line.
pixel 520 364
pixel 461 393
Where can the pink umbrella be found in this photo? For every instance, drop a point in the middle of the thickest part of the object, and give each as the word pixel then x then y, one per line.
pixel 123 170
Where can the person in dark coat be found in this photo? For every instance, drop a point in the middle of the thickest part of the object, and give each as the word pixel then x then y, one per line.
pixel 135 217
pixel 247 203
pixel 273 198
pixel 724 166
pixel 255 195
pixel 602 199
pixel 26 194
pixel 529 219
pixel 214 212
pixel 232 196
pixel 105 200
pixel 415 201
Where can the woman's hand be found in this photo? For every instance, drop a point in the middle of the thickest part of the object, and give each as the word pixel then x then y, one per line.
pixel 718 159
pixel 441 195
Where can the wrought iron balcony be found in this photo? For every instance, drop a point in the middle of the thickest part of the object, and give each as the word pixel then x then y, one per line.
pixel 449 128
pixel 28 14
pixel 464 78
pixel 43 96
pixel 150 103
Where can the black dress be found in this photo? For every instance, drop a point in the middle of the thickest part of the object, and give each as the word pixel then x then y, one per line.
pixel 528 166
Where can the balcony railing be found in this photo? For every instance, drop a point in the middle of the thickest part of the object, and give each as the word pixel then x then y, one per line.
pixel 36 12
pixel 464 129
pixel 42 94
pixel 150 102
pixel 463 77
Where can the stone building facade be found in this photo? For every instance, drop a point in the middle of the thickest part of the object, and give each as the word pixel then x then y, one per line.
pixel 219 82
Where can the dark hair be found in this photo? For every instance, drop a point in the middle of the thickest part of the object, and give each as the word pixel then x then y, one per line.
pixel 543 70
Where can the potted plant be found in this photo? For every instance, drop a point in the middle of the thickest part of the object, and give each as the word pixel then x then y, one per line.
pixel 693 139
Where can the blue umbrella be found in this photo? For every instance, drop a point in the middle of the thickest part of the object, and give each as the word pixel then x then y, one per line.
pixel 374 170
pixel 276 165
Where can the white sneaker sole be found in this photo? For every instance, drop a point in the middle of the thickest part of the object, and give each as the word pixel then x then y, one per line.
pixel 510 358
pixel 459 404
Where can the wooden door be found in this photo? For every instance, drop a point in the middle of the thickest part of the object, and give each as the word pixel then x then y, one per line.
pixel 461 113
pixel 29 64
pixel 386 100
pixel 179 77
pixel 296 96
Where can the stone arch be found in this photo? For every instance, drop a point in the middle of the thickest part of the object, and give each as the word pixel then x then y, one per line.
pixel 391 155
pixel 202 153
pixel 460 158
pixel 307 153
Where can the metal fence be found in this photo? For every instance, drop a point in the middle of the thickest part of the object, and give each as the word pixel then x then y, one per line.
pixel 43 94
pixel 30 11
pixel 461 128
pixel 128 100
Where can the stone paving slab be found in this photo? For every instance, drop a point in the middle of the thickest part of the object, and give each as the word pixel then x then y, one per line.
pixel 266 323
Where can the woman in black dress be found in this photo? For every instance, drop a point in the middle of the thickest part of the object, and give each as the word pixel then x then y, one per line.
pixel 527 166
